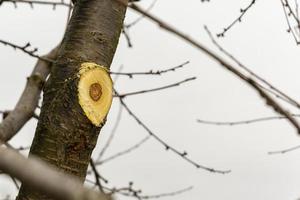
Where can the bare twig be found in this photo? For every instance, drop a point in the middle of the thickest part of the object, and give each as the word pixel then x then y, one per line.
pixel 239 19
pixel 26 50
pixel 112 134
pixel 154 89
pixel 183 154
pixel 151 72
pixel 285 150
pixel 297 9
pixel 45 179
pixel 116 73
pixel 97 176
pixel 127 37
pixel 129 25
pixel 37 2
pixel 278 93
pixel 167 194
pixel 243 122
pixel 15 182
pixel 136 193
pixel 68 15
pixel 129 150
pixel 285 5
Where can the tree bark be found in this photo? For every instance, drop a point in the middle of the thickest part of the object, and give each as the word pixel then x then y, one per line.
pixel 65 137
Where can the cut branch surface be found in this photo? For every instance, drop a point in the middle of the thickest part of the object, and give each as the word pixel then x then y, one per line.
pixel 94 92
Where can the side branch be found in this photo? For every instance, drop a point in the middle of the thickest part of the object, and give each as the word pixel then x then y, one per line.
pixel 28 101
pixel 44 178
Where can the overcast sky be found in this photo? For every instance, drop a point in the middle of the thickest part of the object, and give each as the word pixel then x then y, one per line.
pixel 261 42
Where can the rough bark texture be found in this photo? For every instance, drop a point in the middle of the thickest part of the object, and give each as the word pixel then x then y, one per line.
pixel 64 136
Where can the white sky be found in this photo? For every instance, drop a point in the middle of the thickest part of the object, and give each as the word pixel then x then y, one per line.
pixel 261 42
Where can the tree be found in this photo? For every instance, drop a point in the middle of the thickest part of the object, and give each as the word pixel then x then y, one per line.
pixel 251 81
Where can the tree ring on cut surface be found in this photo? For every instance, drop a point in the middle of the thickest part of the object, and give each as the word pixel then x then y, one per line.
pixel 95 91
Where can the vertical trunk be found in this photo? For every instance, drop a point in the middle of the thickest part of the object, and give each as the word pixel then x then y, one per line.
pixel 66 135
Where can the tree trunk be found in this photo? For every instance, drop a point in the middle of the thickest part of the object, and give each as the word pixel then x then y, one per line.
pixel 66 133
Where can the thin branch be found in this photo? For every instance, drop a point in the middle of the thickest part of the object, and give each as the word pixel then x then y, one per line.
pixel 154 89
pixel 183 154
pixel 297 9
pixel 122 153
pixel 239 19
pixel 278 93
pixel 112 134
pixel 290 30
pixel 15 182
pixel 151 72
pixel 243 122
pixel 45 179
pixel 285 150
pixel 68 15
pixel 26 50
pixel 127 37
pixel 97 176
pixel 129 191
pixel 291 12
pixel 115 79
pixel 269 100
pixel 129 25
pixel 37 2
pixel 169 194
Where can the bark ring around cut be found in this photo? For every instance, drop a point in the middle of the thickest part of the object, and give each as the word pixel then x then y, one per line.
pixel 94 91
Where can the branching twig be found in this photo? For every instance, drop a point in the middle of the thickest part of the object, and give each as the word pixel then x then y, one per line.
pixel 285 150
pixel 239 19
pixel 243 122
pixel 151 72
pixel 167 146
pixel 15 182
pixel 97 175
pixel 154 89
pixel 37 2
pixel 167 194
pixel 129 25
pixel 112 134
pixel 278 93
pixel 129 150
pixel 127 37
pixel 288 12
pixel 26 50
pixel 132 192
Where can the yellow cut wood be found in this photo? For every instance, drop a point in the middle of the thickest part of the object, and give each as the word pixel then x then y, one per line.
pixel 95 91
